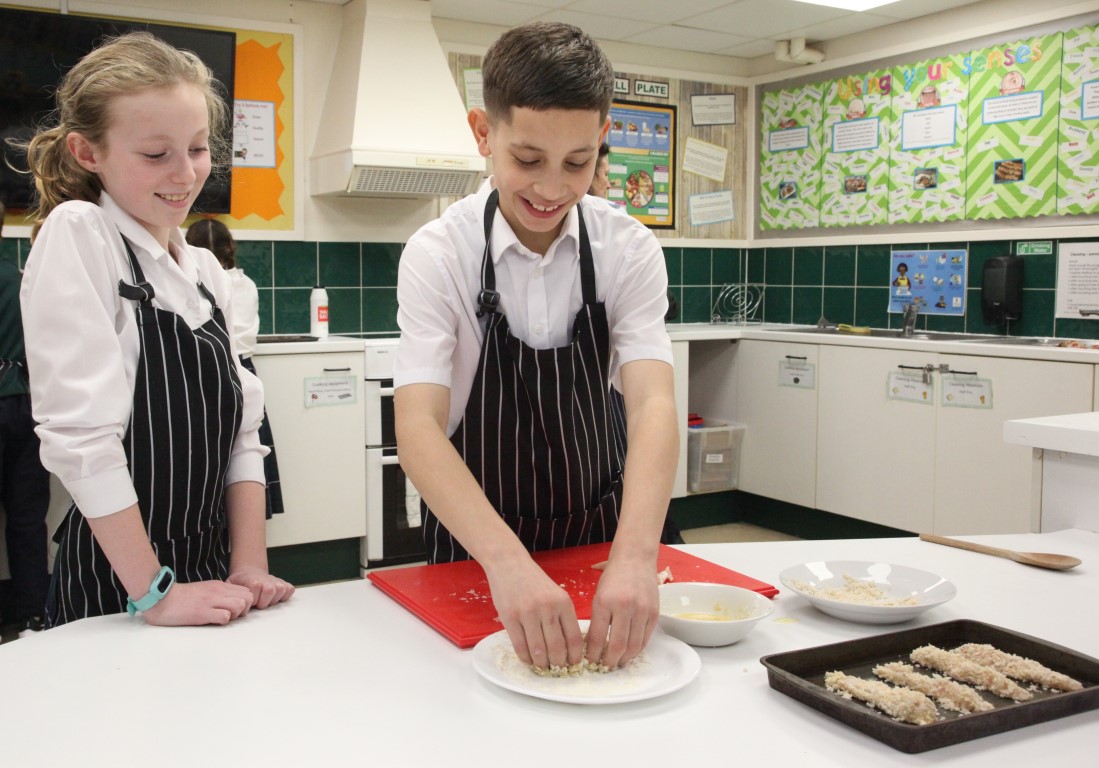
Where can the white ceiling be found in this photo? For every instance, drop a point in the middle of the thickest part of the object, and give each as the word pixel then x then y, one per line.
pixel 741 28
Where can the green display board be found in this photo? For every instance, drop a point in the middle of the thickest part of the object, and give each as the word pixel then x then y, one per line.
pixel 790 158
pixel 858 113
pixel 1014 102
pixel 1078 151
pixel 927 178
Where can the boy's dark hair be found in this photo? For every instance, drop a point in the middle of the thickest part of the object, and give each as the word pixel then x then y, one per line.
pixel 546 65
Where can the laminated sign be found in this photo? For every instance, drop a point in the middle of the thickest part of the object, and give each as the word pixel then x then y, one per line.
pixel 330 390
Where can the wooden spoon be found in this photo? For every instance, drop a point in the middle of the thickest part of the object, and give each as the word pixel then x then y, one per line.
pixel 1040 559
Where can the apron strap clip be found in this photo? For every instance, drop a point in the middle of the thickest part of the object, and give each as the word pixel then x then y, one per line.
pixel 488 301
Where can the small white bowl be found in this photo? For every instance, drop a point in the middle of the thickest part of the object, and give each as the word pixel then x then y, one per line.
pixel 710 615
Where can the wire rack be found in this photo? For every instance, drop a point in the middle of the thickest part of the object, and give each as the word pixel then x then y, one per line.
pixel 737 303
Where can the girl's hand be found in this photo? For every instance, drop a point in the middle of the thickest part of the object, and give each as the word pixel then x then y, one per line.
pixel 200 602
pixel 266 589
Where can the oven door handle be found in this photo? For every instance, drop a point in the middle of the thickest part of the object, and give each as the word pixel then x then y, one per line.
pixel 388 461
pixel 385 391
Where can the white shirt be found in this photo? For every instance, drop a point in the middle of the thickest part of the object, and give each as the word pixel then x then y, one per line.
pixel 245 311
pixel 83 346
pixel 439 278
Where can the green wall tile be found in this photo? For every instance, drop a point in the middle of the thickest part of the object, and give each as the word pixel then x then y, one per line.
pixel 255 258
pixel 808 267
pixel 808 305
pixel 778 266
pixel 974 319
pixel 380 262
pixel 754 265
pixel 1040 271
pixel 266 310
pixel 947 323
pixel 871 306
pixel 695 305
pixel 696 266
pixel 339 265
pixel 872 266
pixel 1071 328
pixel 345 308
pixel 1037 319
pixel 979 253
pixel 725 263
pixel 839 265
pixel 379 309
pixel 778 304
pixel 292 310
pixel 677 293
pixel 295 265
pixel 839 304
pixel 9 251
pixel 673 261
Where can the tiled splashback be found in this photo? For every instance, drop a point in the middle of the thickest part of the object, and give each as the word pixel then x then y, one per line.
pixel 846 283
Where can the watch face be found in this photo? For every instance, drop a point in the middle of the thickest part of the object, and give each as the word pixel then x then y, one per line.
pixel 165 582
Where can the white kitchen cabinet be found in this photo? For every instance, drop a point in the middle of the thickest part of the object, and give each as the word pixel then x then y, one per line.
pixel 681 364
pixel 321 450
pixel 927 467
pixel 778 455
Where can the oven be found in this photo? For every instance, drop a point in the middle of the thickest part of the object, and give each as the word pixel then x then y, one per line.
pixel 394 534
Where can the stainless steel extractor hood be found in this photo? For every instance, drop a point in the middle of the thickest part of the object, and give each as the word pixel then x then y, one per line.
pixel 393 122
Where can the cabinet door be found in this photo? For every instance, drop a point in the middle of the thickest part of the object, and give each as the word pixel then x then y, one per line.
pixel 321 450
pixel 778 457
pixel 875 455
pixel 984 485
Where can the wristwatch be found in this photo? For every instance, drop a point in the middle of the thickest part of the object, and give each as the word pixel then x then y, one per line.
pixel 162 582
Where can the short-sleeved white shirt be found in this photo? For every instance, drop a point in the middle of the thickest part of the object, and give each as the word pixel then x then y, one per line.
pixel 439 279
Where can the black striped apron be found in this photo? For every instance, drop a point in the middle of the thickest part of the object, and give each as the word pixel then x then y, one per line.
pixel 186 413
pixel 541 432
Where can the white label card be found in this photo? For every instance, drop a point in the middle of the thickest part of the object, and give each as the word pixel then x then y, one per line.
pixel 909 387
pixel 330 390
pixel 961 391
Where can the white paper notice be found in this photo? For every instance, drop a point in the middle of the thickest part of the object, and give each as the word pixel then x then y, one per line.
pixel 705 159
pixel 928 128
pixel 710 208
pixel 254 134
pixel 797 373
pixel 330 390
pixel 909 387
pixel 855 135
pixel 966 392
pixel 471 78
pixel 713 109
pixel 1077 279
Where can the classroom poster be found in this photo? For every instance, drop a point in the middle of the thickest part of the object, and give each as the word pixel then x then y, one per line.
pixel 934 278
pixel 1078 139
pixel 928 141
pixel 641 162
pixel 858 114
pixel 790 158
pixel 1014 103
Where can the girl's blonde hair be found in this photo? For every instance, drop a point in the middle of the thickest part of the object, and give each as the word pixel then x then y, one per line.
pixel 121 66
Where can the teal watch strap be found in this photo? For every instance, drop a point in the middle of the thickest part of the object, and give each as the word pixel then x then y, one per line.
pixel 162 582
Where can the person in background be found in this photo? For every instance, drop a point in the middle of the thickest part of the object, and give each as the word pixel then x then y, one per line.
pixel 144 411
pixel 24 482
pixel 600 182
pixel 527 317
pixel 215 237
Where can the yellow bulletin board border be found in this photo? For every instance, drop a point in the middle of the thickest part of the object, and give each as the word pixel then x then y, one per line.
pixel 266 202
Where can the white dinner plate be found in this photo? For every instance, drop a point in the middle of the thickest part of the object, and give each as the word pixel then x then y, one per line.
pixel 897 581
pixel 666 665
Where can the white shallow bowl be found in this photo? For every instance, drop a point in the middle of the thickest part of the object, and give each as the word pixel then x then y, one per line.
pixel 736 611
pixel 897 581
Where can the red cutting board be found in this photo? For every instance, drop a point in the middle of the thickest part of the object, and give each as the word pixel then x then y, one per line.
pixel 454 598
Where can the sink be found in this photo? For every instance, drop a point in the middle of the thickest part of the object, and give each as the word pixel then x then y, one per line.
pixel 890 333
pixel 1034 341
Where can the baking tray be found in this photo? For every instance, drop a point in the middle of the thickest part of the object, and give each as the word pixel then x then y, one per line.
pixel 284 338
pixel 800 675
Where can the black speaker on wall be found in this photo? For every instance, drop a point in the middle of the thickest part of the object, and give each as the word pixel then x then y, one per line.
pixel 1002 289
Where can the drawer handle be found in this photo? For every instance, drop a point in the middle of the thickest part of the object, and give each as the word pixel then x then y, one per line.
pixel 385 392
pixel 390 460
pixel 796 357
pixel 336 370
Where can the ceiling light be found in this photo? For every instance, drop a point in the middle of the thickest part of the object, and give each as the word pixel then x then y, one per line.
pixel 849 5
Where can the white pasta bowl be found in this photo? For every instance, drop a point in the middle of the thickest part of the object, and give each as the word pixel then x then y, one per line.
pixel 699 613
pixel 867 592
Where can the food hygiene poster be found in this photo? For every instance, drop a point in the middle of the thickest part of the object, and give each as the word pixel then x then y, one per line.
pixel 1014 96
pixel 789 159
pixel 641 159
pixel 936 279
pixel 858 111
pixel 1078 150
pixel 928 140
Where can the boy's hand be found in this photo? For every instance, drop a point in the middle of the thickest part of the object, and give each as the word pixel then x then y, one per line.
pixel 200 602
pixel 266 589
pixel 624 613
pixel 538 615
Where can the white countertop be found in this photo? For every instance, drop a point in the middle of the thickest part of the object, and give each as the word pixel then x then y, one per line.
pixel 1071 433
pixel 343 675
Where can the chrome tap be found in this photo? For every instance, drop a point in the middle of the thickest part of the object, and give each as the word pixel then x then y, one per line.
pixel 911 312
pixel 824 322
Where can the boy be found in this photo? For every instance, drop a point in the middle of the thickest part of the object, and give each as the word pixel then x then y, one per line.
pixel 517 308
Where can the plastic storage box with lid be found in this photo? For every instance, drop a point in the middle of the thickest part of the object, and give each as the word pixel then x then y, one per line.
pixel 713 455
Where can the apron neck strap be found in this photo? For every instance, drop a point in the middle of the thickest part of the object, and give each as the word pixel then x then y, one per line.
pixel 141 290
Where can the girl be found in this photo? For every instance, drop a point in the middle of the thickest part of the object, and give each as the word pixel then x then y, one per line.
pixel 144 413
